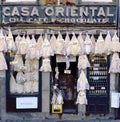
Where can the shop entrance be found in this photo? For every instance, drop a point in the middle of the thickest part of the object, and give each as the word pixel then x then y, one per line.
pixel 67 84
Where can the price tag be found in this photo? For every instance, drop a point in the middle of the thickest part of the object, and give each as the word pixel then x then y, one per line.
pixel 92 87
pixel 97 65
pixel 103 88
pixel 95 69
pixel 57 106
pixel 67 71
pixel 95 78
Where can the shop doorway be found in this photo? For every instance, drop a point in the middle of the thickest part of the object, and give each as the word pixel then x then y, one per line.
pixel 67 84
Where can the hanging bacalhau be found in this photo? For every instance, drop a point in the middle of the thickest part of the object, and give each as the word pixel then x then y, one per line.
pixel 22 46
pixel 15 87
pixel 17 40
pixel 46 49
pixel 115 44
pixel 107 46
pixel 32 52
pixel 20 77
pixel 53 42
pixel 80 40
pixel 18 64
pixel 46 67
pixel 87 46
pixel 67 41
pixel 74 48
pixel 10 41
pixel 60 45
pixel 40 42
pixel 83 62
pixel 82 86
pixel 3 44
pixel 99 46
pixel 93 43
pixel 115 64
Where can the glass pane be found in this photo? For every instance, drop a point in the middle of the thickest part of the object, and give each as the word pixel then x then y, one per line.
pixel 97 0
pixel 24 72
pixel 20 0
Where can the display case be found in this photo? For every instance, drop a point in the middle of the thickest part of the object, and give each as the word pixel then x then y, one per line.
pixel 23 83
pixel 98 95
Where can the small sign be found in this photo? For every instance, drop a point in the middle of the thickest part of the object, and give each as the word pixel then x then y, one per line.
pixel 92 87
pixel 67 71
pixel 115 100
pixel 95 69
pixel 95 78
pixel 62 58
pixel 97 65
pixel 56 108
pixel 26 103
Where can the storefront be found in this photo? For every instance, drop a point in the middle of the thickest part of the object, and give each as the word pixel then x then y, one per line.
pixel 57 51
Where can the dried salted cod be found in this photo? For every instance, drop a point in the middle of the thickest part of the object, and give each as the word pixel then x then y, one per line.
pixel 53 42
pixel 107 46
pixel 115 64
pixel 3 44
pixel 99 47
pixel 60 45
pixel 46 67
pixel 10 41
pixel 87 45
pixel 83 62
pixel 115 44
pixel 82 82
pixel 46 49
pixel 74 48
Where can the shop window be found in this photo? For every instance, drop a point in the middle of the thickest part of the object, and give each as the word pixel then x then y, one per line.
pixel 23 83
pixel 20 1
pixel 61 2
pixel 97 0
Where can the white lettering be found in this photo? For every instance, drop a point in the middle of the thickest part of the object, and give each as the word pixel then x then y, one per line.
pixel 49 11
pixel 83 11
pixel 34 12
pixel 15 12
pixel 108 12
pixel 74 11
pixel 59 11
pixel 93 9
pixel 67 11
pixel 25 11
pixel 6 11
pixel 101 12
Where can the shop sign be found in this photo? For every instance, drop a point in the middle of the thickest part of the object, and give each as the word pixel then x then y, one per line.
pixel 26 103
pixel 62 58
pixel 87 14
pixel 115 100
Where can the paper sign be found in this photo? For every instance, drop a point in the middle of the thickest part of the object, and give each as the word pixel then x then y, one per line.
pixel 95 69
pixel 95 78
pixel 61 58
pixel 26 102
pixel 97 65
pixel 115 100
pixel 67 71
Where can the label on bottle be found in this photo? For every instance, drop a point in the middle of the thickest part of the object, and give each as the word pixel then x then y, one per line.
pixel 95 69
pixel 97 65
pixel 95 78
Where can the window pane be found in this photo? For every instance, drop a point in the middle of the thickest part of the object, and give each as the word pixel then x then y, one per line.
pixel 20 0
pixel 97 0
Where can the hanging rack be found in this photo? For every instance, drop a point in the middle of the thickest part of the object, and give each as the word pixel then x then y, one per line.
pixel 61 30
